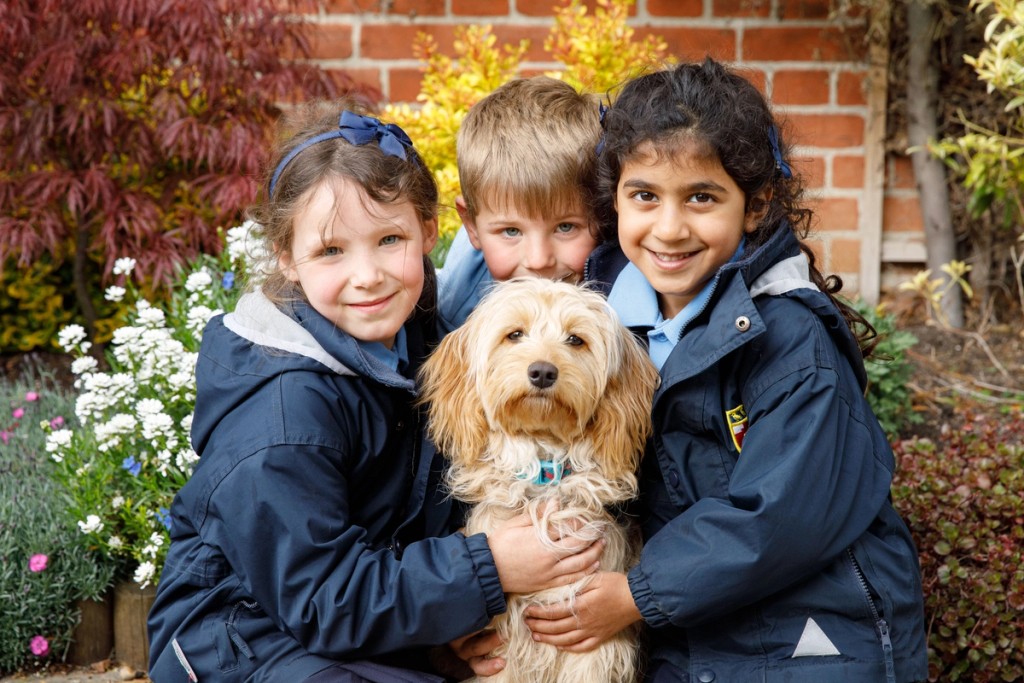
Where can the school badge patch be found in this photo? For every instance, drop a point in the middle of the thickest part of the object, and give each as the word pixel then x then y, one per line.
pixel 737 421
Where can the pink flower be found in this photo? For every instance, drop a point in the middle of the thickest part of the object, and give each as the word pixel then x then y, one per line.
pixel 56 422
pixel 37 562
pixel 31 396
pixel 5 436
pixel 18 413
pixel 40 646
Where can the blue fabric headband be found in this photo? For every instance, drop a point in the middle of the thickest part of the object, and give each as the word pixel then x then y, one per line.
pixel 780 163
pixel 358 130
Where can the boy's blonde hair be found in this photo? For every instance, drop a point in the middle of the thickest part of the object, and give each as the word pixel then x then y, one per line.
pixel 530 144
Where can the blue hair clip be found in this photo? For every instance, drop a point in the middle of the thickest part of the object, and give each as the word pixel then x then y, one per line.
pixel 358 130
pixel 780 163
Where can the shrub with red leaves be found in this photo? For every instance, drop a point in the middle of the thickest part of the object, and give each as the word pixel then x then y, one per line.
pixel 962 499
pixel 137 128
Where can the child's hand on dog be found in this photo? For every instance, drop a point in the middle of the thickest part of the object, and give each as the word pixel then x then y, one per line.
pixel 602 609
pixel 475 650
pixel 527 564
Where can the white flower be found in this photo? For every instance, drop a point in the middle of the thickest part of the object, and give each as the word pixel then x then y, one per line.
pixel 199 280
pixel 198 317
pixel 156 425
pixel 91 524
pixel 186 458
pixel 116 502
pixel 156 539
pixel 124 266
pixel 58 440
pixel 70 336
pixel 144 574
pixel 151 316
pixel 82 365
pixel 186 422
pixel 114 293
pixel 115 542
pixel 149 406
pixel 244 243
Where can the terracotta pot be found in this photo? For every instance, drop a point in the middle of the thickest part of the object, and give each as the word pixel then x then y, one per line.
pixel 131 606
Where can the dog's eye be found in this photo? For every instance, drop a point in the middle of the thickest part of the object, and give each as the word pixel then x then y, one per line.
pixel 573 340
pixel 515 335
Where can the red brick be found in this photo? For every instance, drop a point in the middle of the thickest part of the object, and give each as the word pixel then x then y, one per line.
pixel 695 43
pixel 804 9
pixel 901 172
pixel 392 41
pixel 756 76
pixel 331 41
pixel 486 8
pixel 848 171
pixel 836 213
pixel 817 245
pixel 800 87
pixel 802 44
pixel 368 78
pixel 902 214
pixel 850 88
pixel 826 130
pixel 412 8
pixel 741 8
pixel 546 8
pixel 811 170
pixel 404 84
pixel 675 8
pixel 844 256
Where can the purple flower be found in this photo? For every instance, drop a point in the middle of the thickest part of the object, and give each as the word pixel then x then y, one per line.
pixel 228 281
pixel 132 465
pixel 56 422
pixel 40 646
pixel 31 396
pixel 18 413
pixel 37 562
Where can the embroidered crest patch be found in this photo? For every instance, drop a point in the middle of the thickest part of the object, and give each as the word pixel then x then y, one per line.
pixel 737 420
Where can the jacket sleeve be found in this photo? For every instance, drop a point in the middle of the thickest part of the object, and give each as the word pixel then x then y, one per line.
pixel 290 538
pixel 810 479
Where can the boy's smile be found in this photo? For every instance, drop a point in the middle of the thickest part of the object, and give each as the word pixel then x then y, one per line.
pixel 681 217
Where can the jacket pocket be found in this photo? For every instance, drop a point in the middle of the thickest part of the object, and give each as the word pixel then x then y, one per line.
pixel 222 630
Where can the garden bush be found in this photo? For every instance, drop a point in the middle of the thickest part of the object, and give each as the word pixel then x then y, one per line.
pixel 888 371
pixel 45 567
pixel 134 127
pixel 962 500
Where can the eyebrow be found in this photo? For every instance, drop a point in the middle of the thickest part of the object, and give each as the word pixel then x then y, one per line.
pixel 700 186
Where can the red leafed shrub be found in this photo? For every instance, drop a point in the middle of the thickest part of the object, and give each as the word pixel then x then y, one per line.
pixel 136 128
pixel 962 498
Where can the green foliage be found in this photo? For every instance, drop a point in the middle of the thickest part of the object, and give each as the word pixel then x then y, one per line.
pixel 32 304
pixel 38 604
pixel 933 290
pixel 991 162
pixel 127 452
pixel 961 499
pixel 888 371
pixel 597 52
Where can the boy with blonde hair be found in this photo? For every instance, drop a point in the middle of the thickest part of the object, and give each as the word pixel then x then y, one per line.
pixel 526 157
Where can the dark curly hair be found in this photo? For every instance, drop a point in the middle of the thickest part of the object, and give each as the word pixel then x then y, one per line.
pixel 709 108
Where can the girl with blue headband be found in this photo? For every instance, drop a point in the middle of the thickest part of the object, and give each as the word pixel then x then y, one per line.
pixel 310 542
pixel 772 551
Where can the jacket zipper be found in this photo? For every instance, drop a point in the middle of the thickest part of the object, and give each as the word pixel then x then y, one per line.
pixel 880 623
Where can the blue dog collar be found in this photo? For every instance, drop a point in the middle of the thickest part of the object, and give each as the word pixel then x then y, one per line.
pixel 551 473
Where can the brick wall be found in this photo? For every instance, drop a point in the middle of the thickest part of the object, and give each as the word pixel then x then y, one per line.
pixel 814 70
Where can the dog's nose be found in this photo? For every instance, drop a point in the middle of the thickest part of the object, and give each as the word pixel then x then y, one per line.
pixel 542 374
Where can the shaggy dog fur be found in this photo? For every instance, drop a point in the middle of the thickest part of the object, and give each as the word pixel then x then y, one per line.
pixel 543 371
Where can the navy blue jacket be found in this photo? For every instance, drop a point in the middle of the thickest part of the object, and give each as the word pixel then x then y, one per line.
pixel 297 543
pixel 775 555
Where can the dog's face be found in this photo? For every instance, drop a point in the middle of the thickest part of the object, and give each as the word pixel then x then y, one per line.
pixel 540 359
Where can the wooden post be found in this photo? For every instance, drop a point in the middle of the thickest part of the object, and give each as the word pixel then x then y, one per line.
pixel 131 607
pixel 872 214
pixel 93 638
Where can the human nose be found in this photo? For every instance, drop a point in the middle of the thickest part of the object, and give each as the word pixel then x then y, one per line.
pixel 539 254
pixel 366 272
pixel 670 225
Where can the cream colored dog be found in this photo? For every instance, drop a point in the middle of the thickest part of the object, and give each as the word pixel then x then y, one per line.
pixel 543 395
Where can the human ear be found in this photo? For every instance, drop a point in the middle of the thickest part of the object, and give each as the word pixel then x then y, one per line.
pixel 757 208
pixel 429 235
pixel 286 263
pixel 468 221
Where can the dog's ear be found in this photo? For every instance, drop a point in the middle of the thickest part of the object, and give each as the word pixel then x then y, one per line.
pixel 623 419
pixel 457 422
